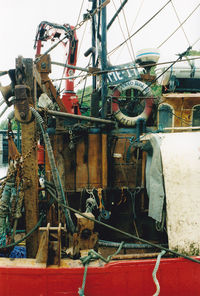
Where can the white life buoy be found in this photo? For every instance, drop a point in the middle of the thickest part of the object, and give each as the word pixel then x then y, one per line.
pixel 146 92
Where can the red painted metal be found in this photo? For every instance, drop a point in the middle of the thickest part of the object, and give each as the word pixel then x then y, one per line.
pixel 124 278
pixel 69 98
pixel 40 154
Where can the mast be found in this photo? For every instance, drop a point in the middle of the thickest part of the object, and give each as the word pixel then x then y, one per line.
pixel 104 60
pixel 94 6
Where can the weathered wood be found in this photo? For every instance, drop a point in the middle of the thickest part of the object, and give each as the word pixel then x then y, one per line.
pixel 30 171
pixel 82 177
pixel 85 238
pixel 94 160
pixel 41 72
pixel 30 168
pixel 124 163
pixel 42 254
pixel 135 256
pixel 49 251
pixel 182 107
pixel 89 162
pixel 104 161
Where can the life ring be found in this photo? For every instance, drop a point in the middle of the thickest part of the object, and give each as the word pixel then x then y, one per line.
pixel 146 91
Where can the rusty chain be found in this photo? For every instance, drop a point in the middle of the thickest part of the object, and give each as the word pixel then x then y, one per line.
pixel 15 168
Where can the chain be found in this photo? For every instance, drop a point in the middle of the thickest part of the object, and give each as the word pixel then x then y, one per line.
pixel 91 14
pixel 45 118
pixel 78 26
pixel 34 146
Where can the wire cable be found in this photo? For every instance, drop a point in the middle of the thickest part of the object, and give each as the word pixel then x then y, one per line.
pixel 128 32
pixel 123 32
pixel 180 23
pixel 148 21
pixel 80 12
pixel 138 12
pixel 196 42
pixel 179 26
pixel 126 233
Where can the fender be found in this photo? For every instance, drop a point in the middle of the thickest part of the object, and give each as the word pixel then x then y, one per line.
pixel 146 92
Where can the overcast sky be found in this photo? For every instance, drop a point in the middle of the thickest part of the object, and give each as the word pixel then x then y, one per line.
pixel 19 20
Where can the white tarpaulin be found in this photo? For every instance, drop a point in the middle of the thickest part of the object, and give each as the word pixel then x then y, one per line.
pixel 180 154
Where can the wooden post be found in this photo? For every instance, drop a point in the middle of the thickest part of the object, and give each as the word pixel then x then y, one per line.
pixel 30 177
pixel 30 164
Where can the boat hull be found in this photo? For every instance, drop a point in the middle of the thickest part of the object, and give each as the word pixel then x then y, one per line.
pixel 131 277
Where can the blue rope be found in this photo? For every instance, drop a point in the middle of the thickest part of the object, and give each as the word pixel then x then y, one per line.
pixel 92 255
pixel 155 271
pixel 81 290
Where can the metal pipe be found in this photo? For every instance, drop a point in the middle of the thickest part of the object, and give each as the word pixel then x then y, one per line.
pixel 181 128
pixel 70 66
pixel 79 117
pixel 2 101
pixel 116 14
pixel 104 90
pixel 3 111
pixel 2 73
pixel 94 6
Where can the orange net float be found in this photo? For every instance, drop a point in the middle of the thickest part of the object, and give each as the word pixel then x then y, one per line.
pixel 146 92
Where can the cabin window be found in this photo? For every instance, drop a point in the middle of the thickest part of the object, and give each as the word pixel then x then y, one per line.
pixel 196 116
pixel 165 116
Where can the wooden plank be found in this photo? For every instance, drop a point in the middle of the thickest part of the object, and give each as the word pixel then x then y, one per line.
pixel 182 105
pixel 82 178
pixel 94 160
pixel 123 170
pixel 104 161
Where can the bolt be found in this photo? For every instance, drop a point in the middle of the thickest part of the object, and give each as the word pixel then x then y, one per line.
pixel 43 65
pixel 22 115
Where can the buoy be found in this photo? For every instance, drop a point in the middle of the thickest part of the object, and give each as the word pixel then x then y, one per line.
pixel 146 92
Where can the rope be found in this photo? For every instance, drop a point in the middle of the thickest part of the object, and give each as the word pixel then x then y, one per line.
pixel 113 50
pixel 126 233
pixel 92 255
pixel 155 271
pixel 81 290
pixel 55 174
pixel 179 26
pixel 26 236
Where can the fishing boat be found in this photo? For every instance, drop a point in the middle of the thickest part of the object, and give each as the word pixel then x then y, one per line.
pixel 101 198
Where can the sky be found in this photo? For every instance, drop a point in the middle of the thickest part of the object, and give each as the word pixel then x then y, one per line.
pixel 19 20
